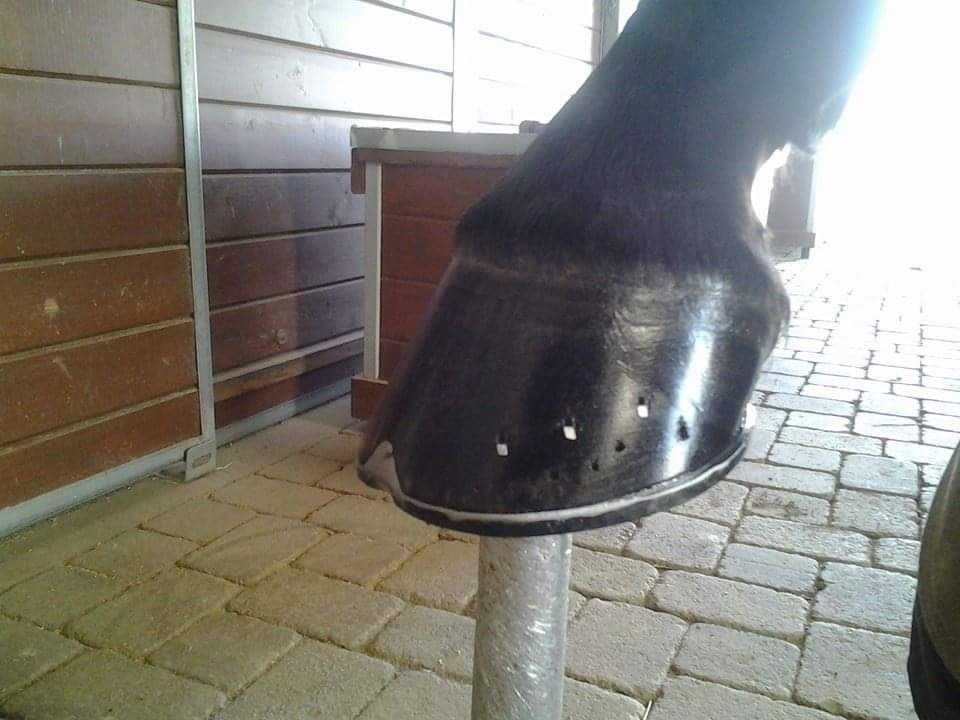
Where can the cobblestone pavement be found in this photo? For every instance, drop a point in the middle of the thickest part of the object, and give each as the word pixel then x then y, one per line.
pixel 280 587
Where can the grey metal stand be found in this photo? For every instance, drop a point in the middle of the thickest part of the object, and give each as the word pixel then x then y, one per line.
pixel 518 657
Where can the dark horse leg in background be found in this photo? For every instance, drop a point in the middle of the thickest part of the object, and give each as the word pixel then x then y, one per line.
pixel 592 349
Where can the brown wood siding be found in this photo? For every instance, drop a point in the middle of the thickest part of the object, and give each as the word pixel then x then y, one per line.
pixel 391 355
pixel 442 193
pixel 415 248
pixel 97 352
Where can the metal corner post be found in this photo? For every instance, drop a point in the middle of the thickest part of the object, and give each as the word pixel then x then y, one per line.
pixel 200 458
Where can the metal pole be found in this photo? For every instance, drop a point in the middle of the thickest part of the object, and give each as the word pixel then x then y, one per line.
pixel 518 657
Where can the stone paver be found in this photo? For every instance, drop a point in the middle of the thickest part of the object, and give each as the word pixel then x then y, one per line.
pixel 28 652
pixel 582 701
pixel 225 650
pixel 354 558
pixel 913 452
pixel 372 518
pixel 891 373
pixel 702 598
pixel 875 514
pixel 301 468
pixel 722 503
pixel 759 444
pixel 146 616
pixel 597 574
pixel 770 418
pixel 770 568
pixel 623 647
pixel 436 640
pixel 685 698
pixel 420 696
pixel 819 421
pixel 897 554
pixel 892 427
pixel 842 442
pixel 885 404
pixel 830 393
pixel 849 383
pixel 941 438
pixel 315 681
pixel 942 422
pixel 777 383
pixel 680 542
pixel 788 506
pixel 101 685
pixel 342 448
pixel 941 408
pixel 830 369
pixel 442 575
pixel 865 597
pixel 869 472
pixel 58 596
pixel 819 542
pixel 784 478
pixel 347 481
pixel 801 368
pixel 274 497
pixel 809 404
pixel 845 670
pixel 199 520
pixel 609 539
pixel 135 555
pixel 250 552
pixel 739 659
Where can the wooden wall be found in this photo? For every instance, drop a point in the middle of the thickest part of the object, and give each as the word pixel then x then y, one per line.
pixel 97 355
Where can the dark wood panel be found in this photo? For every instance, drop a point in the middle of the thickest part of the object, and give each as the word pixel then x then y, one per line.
pixel 413 248
pixel 107 38
pixel 243 271
pixel 365 396
pixel 54 303
pixel 361 156
pixel 542 27
pixel 402 307
pixel 44 213
pixel 236 68
pixel 391 355
pixel 345 25
pixel 250 332
pixel 242 406
pixel 241 137
pixel 264 204
pixel 435 192
pixel 31 470
pixel 440 9
pixel 44 392
pixel 54 122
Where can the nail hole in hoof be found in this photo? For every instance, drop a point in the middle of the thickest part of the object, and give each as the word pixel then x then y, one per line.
pixel 619 447
pixel 683 432
pixel 554 475
pixel 595 465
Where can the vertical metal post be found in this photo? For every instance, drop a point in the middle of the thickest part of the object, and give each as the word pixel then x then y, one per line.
pixel 202 457
pixel 518 657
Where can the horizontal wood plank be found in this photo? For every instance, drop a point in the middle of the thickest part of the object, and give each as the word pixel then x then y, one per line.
pixel 33 469
pixel 46 213
pixel 51 122
pixel 545 72
pixel 348 26
pixel 439 9
pixel 538 26
pixel 402 308
pixel 248 333
pixel 243 271
pixel 266 204
pixel 108 38
pixel 391 355
pixel 506 104
pixel 54 303
pixel 443 193
pixel 579 12
pixel 413 248
pixel 243 406
pixel 236 68
pixel 365 395
pixel 44 392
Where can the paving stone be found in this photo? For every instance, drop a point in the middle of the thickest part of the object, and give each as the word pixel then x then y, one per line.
pixel 199 520
pixel 848 383
pixel 582 701
pixel 315 681
pixel 675 541
pixel 932 474
pixel 371 518
pixel 770 568
pixel 770 418
pixel 343 448
pixel 58 596
pixel 890 404
pixel 102 686
pixel 890 373
pixel 831 440
pixel 611 577
pixel 274 497
pixel 442 575
pixel 721 503
pixel 610 539
pixel 811 482
pixel 804 344
pixel 702 598
pixel 855 672
pixel 28 652
pixel 869 472
pixel 809 404
pixel 927 393
pixel 685 698
pixel 623 647
pixel 319 607
pixel 926 498
pixel 347 481
pixel 897 554
pixel 739 659
pixel 802 456
pixel 135 555
pixel 845 370
pixel 893 427
pixel 819 542
pixel 866 598
pixel 819 421
pixel 575 603
pixel 815 333
pixel 940 437
pixel 836 356
pixel 777 383
pixel 941 422
pixel 421 637
pixel 903 360
pixel 354 558
pixel 831 393
pixel 249 553
pixel 800 368
pixel 302 468
pixel 875 514
pixel 935 406
pixel 420 696
pixel 912 452
pixel 788 506
pixel 147 615
pixel 759 444
pixel 225 650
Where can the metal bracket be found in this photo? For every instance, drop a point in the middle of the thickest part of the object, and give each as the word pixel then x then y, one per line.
pixel 200 459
